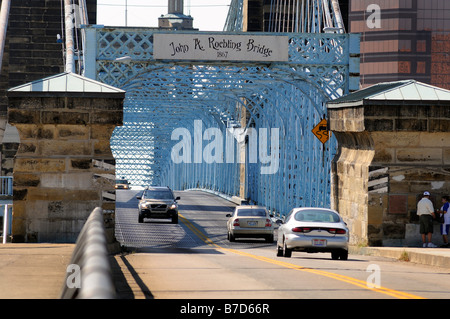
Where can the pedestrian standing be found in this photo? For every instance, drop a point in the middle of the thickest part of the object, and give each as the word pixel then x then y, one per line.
pixel 425 211
pixel 445 227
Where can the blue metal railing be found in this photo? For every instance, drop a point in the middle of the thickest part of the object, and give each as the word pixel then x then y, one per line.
pixel 6 186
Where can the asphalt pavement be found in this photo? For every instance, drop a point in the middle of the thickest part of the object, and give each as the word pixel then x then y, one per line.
pixel 37 271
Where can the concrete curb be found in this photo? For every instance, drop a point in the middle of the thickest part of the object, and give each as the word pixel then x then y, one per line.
pixel 234 199
pixel 438 257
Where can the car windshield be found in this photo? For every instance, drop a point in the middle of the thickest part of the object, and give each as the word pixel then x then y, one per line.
pixel 251 212
pixel 158 195
pixel 121 181
pixel 317 216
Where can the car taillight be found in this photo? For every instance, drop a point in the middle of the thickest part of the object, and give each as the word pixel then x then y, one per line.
pixel 337 231
pixel 236 222
pixel 268 223
pixel 301 229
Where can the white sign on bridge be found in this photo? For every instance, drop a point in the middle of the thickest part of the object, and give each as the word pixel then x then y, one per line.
pixel 217 47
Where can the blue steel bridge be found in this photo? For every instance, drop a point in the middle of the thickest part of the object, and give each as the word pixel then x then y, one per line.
pixel 165 95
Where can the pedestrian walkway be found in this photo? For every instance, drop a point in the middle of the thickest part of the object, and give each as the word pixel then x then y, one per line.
pixel 33 271
pixel 438 257
pixel 38 271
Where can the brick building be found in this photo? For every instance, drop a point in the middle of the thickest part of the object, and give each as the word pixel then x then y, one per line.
pixel 403 39
pixel 276 16
pixel 31 48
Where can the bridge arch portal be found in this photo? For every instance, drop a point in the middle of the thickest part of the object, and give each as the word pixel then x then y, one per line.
pixel 224 97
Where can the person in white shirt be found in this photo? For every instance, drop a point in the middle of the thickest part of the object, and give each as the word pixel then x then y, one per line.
pixel 425 211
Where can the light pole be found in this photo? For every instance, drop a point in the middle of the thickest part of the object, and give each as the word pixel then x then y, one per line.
pixel 126 13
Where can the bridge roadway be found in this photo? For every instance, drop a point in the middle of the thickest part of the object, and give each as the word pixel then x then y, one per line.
pixel 195 260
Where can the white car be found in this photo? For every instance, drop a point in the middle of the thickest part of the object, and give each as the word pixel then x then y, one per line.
pixel 250 221
pixel 312 230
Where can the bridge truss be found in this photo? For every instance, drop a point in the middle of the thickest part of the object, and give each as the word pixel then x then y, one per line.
pixel 163 96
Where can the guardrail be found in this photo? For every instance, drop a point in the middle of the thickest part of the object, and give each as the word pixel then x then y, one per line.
pixel 90 274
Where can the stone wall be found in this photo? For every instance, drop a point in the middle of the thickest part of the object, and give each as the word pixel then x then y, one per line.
pixel 388 156
pixel 64 167
pixel 349 182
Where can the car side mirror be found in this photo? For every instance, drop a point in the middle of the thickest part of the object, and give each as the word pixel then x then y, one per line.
pixel 139 197
pixel 271 215
pixel 178 198
pixel 228 215
pixel 279 222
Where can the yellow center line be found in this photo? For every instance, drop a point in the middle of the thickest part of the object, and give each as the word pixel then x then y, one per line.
pixel 343 278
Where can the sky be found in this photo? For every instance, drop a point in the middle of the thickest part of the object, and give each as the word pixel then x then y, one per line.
pixel 209 15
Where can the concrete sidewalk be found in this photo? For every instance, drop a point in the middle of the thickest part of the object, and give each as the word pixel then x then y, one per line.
pixel 438 257
pixel 38 271
pixel 33 271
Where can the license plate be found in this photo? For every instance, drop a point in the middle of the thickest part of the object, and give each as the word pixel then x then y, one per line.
pixel 319 242
pixel 252 223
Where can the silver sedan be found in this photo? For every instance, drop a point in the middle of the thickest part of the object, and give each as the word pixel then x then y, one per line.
pixel 250 221
pixel 313 230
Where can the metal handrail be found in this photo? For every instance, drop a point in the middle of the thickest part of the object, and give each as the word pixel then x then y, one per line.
pixel 90 256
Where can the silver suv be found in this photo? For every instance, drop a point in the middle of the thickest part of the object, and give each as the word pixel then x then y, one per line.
pixel 158 202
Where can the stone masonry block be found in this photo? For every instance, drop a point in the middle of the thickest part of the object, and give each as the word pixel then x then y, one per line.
pixel 107 104
pixel 82 195
pixel 82 164
pixel 446 156
pixel 35 131
pixel 26 179
pixel 19 194
pixel 71 132
pixel 102 131
pixel 70 181
pixel 27 148
pixel 39 165
pixel 110 117
pixel 413 125
pixel 55 103
pixel 23 117
pixel 384 155
pixel 51 117
pixel 77 210
pixel 439 125
pixel 419 155
pixel 378 125
pixel 31 103
pixel 397 139
pixel 399 187
pixel 51 148
pixel 102 147
pixel 44 194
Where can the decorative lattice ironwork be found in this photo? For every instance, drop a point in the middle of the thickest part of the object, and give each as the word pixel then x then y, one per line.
pixel 164 96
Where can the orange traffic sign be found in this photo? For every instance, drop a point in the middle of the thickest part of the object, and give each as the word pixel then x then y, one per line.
pixel 321 131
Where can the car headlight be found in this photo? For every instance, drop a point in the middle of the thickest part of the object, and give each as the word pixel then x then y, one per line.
pixel 173 206
pixel 144 205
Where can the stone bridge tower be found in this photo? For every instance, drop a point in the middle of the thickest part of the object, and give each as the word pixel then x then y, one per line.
pixel 64 167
